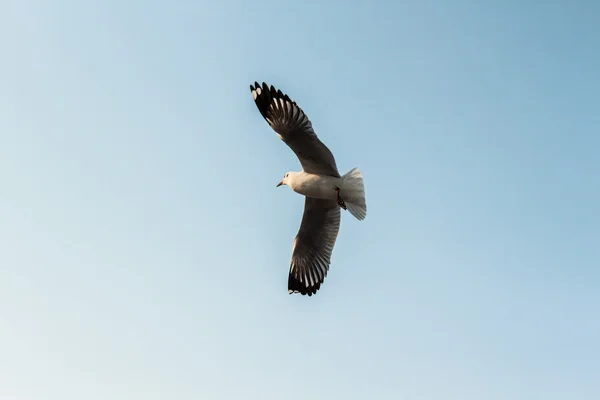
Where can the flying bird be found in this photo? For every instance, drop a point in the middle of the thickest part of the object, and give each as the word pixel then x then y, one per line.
pixel 325 191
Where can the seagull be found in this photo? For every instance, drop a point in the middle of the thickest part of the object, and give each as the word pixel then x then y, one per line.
pixel 325 191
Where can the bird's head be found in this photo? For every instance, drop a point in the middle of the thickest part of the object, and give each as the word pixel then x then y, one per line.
pixel 285 179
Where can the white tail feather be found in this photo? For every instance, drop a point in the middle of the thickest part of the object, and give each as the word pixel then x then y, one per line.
pixel 353 193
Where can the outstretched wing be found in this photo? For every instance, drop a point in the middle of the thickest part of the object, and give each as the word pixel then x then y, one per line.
pixel 295 129
pixel 313 245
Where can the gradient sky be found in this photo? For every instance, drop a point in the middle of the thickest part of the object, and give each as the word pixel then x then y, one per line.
pixel 144 248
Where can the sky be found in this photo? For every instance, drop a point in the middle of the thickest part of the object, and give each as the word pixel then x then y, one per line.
pixel 144 247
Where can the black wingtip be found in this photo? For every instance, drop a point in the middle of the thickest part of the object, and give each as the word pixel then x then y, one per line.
pixel 254 86
pixel 263 97
pixel 295 286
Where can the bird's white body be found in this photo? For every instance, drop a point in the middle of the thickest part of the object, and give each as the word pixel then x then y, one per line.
pixel 313 185
pixel 319 186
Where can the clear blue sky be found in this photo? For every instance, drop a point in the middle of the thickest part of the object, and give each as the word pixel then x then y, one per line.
pixel 144 248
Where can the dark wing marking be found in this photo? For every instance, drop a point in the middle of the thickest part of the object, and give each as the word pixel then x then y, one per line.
pixel 295 129
pixel 313 245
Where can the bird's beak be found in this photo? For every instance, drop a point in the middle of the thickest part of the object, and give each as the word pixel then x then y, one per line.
pixel 279 184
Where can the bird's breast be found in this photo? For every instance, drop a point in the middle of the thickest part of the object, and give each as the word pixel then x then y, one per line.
pixel 321 187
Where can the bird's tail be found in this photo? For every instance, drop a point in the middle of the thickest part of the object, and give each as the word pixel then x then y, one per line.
pixel 352 191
